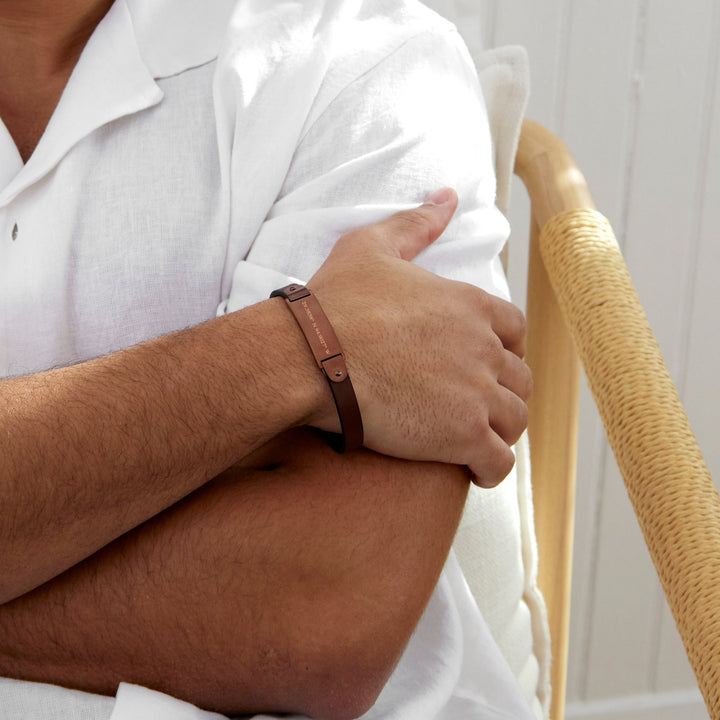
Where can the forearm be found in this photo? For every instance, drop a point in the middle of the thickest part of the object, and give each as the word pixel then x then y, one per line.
pixel 88 452
pixel 292 589
pixel 91 451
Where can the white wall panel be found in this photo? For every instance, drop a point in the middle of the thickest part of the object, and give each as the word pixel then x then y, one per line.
pixel 701 381
pixel 633 87
pixel 682 705
pixel 475 20
pixel 659 249
pixel 623 623
pixel 667 164
pixel 542 28
pixel 673 670
pixel 596 122
pixel 527 23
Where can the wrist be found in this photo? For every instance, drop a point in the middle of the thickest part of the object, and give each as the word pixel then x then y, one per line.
pixel 298 381
pixel 326 350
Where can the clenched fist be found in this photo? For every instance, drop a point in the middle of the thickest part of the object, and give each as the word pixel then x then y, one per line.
pixel 436 364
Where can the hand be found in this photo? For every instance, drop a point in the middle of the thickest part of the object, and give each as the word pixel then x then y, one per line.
pixel 436 364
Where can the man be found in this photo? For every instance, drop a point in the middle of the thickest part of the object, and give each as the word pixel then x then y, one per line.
pixel 168 519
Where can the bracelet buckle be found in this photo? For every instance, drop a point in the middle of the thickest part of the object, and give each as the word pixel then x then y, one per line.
pixel 326 350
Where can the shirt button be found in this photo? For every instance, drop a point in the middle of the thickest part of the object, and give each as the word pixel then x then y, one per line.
pixel 14 232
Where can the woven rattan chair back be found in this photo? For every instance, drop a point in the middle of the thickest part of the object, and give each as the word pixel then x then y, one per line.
pixel 582 308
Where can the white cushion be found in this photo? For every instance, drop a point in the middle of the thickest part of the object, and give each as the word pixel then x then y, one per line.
pixel 496 544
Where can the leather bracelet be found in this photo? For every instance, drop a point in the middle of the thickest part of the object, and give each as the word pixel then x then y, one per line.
pixel 328 355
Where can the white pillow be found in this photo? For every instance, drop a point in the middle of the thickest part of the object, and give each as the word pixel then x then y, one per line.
pixel 496 544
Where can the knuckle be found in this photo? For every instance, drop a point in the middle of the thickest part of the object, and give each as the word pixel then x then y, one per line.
pixel 498 469
pixel 506 464
pixel 476 433
pixel 483 299
pixel 521 424
pixel 516 376
pixel 462 300
pixel 516 322
pixel 520 321
pixel 494 351
pixel 518 423
pixel 476 429
pixel 510 412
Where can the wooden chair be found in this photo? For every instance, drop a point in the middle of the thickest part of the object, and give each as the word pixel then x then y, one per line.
pixel 582 308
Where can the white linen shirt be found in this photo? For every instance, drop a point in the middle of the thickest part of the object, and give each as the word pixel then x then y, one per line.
pixel 201 155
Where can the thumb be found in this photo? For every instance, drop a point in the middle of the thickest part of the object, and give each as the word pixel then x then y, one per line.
pixel 410 231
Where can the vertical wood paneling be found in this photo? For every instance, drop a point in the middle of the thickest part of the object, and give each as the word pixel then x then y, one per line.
pixel 478 23
pixel 683 705
pixel 530 24
pixel 518 244
pixel 538 26
pixel 633 87
pixel 673 670
pixel 592 458
pixel 701 381
pixel 446 8
pixel 488 13
pixel 659 251
pixel 596 117
pixel 668 157
pixel 622 630
pixel 595 123
pixel 475 21
pixel 702 375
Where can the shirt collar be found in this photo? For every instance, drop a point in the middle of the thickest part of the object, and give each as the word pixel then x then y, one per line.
pixel 110 80
pixel 174 35
pixel 135 43
pixel 10 161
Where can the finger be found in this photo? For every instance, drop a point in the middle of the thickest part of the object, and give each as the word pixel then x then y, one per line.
pixel 409 232
pixel 509 324
pixel 515 375
pixel 508 415
pixel 494 463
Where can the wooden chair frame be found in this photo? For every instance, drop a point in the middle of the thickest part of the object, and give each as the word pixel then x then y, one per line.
pixel 582 308
pixel 540 161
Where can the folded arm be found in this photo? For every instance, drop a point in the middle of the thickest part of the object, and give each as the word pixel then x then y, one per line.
pixel 248 593
pixel 88 452
pixel 291 582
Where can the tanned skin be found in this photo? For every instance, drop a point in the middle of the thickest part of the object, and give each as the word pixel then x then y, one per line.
pixel 167 519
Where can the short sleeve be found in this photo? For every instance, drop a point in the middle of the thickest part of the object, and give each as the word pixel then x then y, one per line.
pixel 413 122
pixel 382 130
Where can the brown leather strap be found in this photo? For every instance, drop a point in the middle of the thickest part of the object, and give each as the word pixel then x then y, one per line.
pixel 328 355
